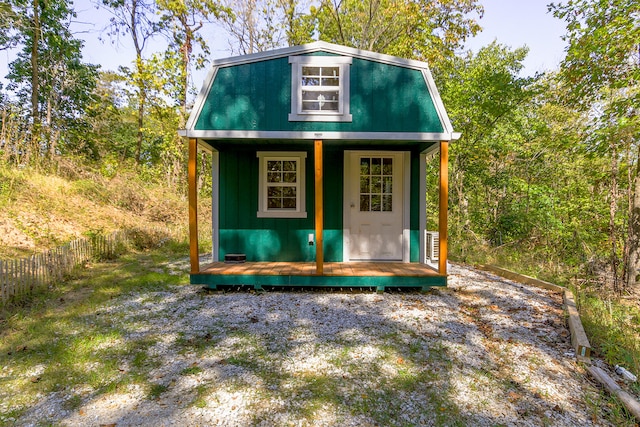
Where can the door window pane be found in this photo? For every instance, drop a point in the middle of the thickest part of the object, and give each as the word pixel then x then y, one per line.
pixel 376 184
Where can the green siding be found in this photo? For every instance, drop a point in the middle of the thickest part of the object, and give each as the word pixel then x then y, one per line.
pixel 286 239
pixel 257 97
pixel 274 239
pixel 414 215
pixel 212 281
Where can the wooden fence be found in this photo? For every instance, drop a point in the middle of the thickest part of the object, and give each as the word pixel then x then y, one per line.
pixel 20 277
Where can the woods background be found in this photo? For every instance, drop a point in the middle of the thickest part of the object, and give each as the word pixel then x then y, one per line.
pixel 545 178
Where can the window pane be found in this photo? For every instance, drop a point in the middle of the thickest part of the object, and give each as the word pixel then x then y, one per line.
pixel 331 71
pixel 274 165
pixel 364 203
pixel 364 166
pixel 289 165
pixel 376 185
pixel 290 177
pixel 310 106
pixel 364 184
pixel 387 184
pixel 289 203
pixel 330 82
pixel 310 71
pixel 376 168
pixel 288 191
pixel 310 81
pixel 274 192
pixel 274 177
pixel 274 204
pixel 387 166
pixel 309 95
pixel 329 106
pixel 328 95
pixel 387 205
pixel 375 203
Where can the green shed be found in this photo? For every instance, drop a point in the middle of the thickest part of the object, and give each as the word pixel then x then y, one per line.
pixel 319 157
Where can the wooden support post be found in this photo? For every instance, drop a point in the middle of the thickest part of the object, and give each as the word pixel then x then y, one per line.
pixel 193 206
pixel 443 206
pixel 319 211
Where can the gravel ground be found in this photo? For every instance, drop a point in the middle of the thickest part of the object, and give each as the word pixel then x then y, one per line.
pixel 484 351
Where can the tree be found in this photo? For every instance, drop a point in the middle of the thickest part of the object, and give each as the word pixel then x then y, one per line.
pixel 483 95
pixel 602 68
pixel 137 19
pixel 49 74
pixel 182 20
pixel 259 25
pixel 423 29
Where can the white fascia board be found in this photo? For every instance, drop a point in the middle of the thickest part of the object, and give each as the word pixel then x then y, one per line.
pixel 202 145
pixel 434 148
pixel 201 98
pixel 305 135
pixel 317 47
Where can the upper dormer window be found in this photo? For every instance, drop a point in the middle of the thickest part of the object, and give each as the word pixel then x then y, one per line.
pixel 320 88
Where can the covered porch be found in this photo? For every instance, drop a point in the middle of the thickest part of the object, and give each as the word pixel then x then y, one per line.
pixel 428 272
pixel 378 275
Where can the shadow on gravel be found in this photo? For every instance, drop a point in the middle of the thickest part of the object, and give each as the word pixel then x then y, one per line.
pixel 187 356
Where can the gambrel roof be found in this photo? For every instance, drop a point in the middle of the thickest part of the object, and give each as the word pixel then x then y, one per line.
pixel 252 96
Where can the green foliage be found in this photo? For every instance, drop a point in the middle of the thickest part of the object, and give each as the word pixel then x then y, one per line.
pixel 49 79
pixel 259 25
pixel 426 30
pixel 603 41
pixel 613 329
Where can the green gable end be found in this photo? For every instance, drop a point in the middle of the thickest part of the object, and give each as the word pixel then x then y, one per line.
pixel 256 96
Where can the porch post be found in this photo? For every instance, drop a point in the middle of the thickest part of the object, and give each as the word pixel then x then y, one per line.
pixel 193 206
pixel 443 206
pixel 319 211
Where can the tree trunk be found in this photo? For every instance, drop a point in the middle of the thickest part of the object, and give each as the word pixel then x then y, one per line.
pixel 613 208
pixel 35 76
pixel 633 240
pixel 141 102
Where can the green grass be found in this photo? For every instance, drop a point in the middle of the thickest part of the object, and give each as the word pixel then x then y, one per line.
pixel 64 338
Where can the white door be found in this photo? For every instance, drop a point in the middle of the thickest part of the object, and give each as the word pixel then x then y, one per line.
pixel 375 206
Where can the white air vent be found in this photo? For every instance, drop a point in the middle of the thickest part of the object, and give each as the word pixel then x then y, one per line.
pixel 432 243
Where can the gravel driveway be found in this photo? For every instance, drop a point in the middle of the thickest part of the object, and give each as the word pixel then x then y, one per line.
pixel 483 351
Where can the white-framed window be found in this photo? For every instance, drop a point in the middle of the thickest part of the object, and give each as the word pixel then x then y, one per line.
pixel 282 184
pixel 320 88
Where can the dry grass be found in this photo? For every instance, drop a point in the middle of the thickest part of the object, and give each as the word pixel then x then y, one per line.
pixel 40 211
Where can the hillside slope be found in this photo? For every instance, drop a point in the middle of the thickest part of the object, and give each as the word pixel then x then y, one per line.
pixel 39 211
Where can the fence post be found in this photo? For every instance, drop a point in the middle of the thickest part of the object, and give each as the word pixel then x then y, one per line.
pixel 2 282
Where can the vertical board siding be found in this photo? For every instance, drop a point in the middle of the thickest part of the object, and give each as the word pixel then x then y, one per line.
pixel 241 231
pixel 333 199
pixel 286 239
pixel 257 97
pixel 416 206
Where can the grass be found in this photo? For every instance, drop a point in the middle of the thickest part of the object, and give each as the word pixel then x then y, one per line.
pixel 63 338
pixel 73 341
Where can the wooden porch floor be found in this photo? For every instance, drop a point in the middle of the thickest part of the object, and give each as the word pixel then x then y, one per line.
pixel 336 274
pixel 330 269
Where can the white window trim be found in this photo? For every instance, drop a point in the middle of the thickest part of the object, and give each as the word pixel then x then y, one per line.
pixel 301 209
pixel 343 113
